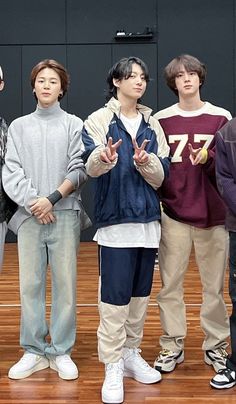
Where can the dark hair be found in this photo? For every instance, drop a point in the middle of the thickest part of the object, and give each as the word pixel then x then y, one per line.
pixel 51 64
pixel 123 70
pixel 191 64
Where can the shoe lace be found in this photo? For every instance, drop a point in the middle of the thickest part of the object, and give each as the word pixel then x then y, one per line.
pixel 114 374
pixel 222 352
pixel 165 352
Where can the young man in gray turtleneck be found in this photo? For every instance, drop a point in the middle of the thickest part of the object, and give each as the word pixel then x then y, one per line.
pixel 42 174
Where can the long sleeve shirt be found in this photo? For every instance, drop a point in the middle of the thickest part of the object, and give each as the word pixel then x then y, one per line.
pixel 226 170
pixel 44 148
pixel 190 195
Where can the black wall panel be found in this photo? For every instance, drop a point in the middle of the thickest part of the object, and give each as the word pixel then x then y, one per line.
pixel 88 67
pixel 91 21
pixel 32 21
pixel 80 34
pixel 11 96
pixel 204 29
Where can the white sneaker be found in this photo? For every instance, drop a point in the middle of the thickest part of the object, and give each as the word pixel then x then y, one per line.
pixel 167 360
pixel 28 364
pixel 217 358
pixel 65 367
pixel 113 388
pixel 224 379
pixel 137 368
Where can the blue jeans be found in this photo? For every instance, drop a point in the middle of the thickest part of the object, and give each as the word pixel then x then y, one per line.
pixel 231 361
pixel 55 244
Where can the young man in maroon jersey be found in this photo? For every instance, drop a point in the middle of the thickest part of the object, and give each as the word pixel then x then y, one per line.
pixel 193 214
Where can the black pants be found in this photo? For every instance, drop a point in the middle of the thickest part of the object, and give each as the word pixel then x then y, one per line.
pixel 231 361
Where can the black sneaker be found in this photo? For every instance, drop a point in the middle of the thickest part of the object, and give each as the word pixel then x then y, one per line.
pixel 224 379
pixel 216 358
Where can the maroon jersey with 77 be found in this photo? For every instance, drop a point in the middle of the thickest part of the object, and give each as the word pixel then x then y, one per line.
pixel 190 194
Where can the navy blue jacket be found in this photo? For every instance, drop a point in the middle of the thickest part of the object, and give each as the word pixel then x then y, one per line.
pixel 124 192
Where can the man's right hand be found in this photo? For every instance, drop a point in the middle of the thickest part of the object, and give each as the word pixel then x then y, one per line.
pixel 109 154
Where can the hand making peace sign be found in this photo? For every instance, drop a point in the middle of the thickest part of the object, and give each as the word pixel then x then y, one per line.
pixel 140 155
pixel 109 153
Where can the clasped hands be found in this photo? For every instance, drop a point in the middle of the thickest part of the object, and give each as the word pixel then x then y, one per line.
pixel 41 208
pixel 109 154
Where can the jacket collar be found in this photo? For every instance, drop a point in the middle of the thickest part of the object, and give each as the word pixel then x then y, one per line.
pixel 115 106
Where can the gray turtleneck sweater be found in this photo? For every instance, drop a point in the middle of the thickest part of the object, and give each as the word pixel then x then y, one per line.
pixel 43 149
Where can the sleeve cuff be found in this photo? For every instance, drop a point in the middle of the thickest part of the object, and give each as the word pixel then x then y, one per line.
pixel 204 153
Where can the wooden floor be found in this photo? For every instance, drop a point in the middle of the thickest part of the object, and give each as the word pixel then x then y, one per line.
pixel 189 383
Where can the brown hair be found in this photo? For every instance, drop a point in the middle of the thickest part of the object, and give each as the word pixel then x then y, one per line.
pixel 51 64
pixel 191 64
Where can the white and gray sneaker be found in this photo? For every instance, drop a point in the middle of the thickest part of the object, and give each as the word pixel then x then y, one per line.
pixel 113 386
pixel 224 379
pixel 27 365
pixel 167 360
pixel 137 368
pixel 65 367
pixel 217 358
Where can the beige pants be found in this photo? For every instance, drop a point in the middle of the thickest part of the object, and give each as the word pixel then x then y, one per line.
pixel 120 326
pixel 211 252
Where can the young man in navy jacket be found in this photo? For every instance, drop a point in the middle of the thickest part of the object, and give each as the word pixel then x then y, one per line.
pixel 126 150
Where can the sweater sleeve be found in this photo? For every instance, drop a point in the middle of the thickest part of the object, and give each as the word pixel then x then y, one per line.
pixel 76 170
pixel 225 181
pixel 18 187
pixel 94 138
